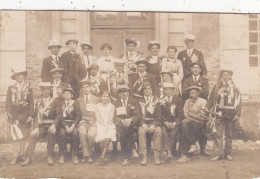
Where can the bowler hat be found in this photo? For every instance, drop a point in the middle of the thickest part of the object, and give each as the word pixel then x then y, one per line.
pixel 54 43
pixel 56 70
pixel 18 70
pixel 189 37
pixel 45 85
pixel 86 44
pixel 143 61
pixel 123 87
pixel 68 89
pixel 193 87
pixel 71 40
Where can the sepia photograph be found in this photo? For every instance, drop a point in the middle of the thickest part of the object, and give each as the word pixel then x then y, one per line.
pixel 129 94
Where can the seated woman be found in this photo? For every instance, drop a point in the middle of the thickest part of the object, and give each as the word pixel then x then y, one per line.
pixel 106 130
pixel 174 65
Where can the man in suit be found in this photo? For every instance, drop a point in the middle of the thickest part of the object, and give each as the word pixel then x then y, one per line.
pixel 149 129
pixel 87 123
pixel 71 57
pixel 82 63
pixel 196 80
pixel 191 55
pixel 53 61
pixel 171 116
pixel 154 60
pixel 127 115
pixel 58 84
pixel 46 123
pixel 192 125
pixel 69 127
pixel 136 80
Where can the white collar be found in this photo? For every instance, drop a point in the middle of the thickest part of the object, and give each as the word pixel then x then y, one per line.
pixel 57 83
pixel 141 75
pixel 148 97
pixel 19 84
pixel 198 76
pixel 54 56
pixel 126 100
pixel 72 52
pixel 46 99
pixel 190 49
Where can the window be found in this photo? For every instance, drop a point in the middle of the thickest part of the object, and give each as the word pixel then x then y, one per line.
pixel 254 40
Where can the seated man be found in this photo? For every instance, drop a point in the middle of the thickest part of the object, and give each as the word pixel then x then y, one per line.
pixel 46 121
pixel 192 126
pixel 87 123
pixel 69 125
pixel 126 118
pixel 197 80
pixel 171 116
pixel 149 125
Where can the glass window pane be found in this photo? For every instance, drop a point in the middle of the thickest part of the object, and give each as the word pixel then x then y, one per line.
pixel 106 16
pixel 253 62
pixel 252 25
pixel 252 15
pixel 253 49
pixel 137 15
pixel 253 37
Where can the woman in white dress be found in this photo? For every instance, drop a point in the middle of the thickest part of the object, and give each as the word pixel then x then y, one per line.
pixel 106 130
pixel 174 65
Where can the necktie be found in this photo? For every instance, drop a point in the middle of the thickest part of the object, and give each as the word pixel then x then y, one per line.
pixel 57 59
pixel 195 77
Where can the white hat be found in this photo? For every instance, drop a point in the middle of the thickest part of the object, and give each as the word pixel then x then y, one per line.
pixel 54 43
pixel 189 37
pixel 168 85
pixel 45 85
pixel 18 70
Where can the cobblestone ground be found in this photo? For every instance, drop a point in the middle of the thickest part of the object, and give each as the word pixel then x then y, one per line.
pixel 245 165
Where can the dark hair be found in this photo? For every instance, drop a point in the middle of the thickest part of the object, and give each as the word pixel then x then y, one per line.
pixel 105 45
pixel 103 92
pixel 172 47
pixel 156 44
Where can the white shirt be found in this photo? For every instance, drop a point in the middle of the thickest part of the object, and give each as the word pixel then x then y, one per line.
pixel 87 96
pixel 19 85
pixel 124 102
pixel 56 83
pixel 148 98
pixel 195 78
pixel 169 99
pixel 46 100
pixel 153 60
pixel 86 60
pixel 189 51
pixel 55 57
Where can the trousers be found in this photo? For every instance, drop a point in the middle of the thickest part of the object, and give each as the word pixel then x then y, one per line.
pixel 127 141
pixel 169 136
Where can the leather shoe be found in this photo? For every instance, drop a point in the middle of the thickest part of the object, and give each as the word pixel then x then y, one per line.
pixel 228 157
pixel 90 160
pixel 135 154
pixel 157 160
pixel 164 156
pixel 83 160
pixel 50 161
pixel 217 157
pixel 14 161
pixel 204 153
pixel 183 159
pixel 125 162
pixel 61 159
pixel 75 159
pixel 26 162
pixel 144 160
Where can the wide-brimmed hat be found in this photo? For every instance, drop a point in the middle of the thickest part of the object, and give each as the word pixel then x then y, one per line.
pixel 146 84
pixel 153 42
pixel 193 87
pixel 196 63
pixel 54 43
pixel 226 70
pixel 120 88
pixel 119 62
pixel 166 72
pixel 18 70
pixel 84 82
pixel 141 61
pixel 93 65
pixel 71 40
pixel 189 37
pixel 54 70
pixel 86 44
pixel 168 85
pixel 68 89
pixel 45 85
pixel 130 41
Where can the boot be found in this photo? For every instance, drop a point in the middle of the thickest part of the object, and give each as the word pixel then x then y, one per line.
pixel 157 160
pixel 50 161
pixel 61 159
pixel 125 162
pixel 26 162
pixel 75 159
pixel 169 154
pixel 144 160
pixel 183 159
pixel 228 157
pixel 90 160
pixel 135 154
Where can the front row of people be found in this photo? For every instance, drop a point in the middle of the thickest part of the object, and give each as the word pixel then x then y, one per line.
pixel 156 122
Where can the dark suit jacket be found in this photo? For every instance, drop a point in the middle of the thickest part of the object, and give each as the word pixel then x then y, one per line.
pixel 47 65
pixel 149 77
pixel 204 84
pixel 166 110
pixel 155 69
pixel 71 62
pixel 186 62
pixel 133 111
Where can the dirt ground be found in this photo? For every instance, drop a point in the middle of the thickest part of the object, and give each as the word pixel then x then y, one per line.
pixel 245 164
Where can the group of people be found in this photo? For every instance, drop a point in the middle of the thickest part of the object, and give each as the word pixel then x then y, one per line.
pixel 147 104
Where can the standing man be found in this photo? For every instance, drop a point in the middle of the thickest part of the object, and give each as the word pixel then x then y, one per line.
pixel 192 125
pixel 191 55
pixel 195 79
pixel 82 63
pixel 127 115
pixel 225 98
pixel 46 123
pixel 150 125
pixel 154 61
pixel 53 61
pixel 71 56
pixel 136 80
pixel 87 123
pixel 171 116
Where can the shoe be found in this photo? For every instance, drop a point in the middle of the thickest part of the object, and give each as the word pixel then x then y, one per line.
pixel 61 159
pixel 75 159
pixel 164 156
pixel 228 157
pixel 157 160
pixel 90 160
pixel 193 149
pixel 144 160
pixel 217 157
pixel 26 162
pixel 202 152
pixel 184 159
pixel 169 156
pixel 125 162
pixel 135 154
pixel 50 161
pixel 14 161
pixel 83 160
pixel 20 159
